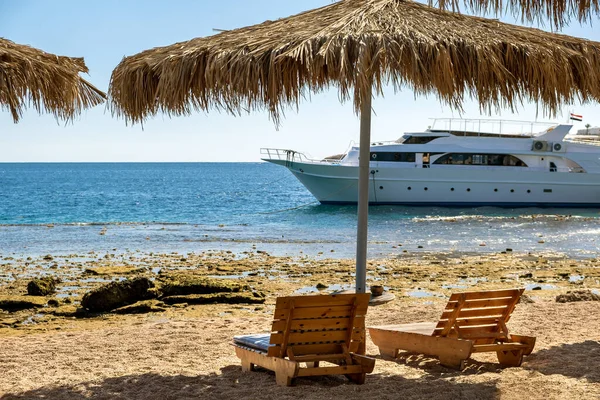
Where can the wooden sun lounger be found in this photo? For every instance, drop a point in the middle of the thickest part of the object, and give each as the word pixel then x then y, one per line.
pixel 472 322
pixel 310 330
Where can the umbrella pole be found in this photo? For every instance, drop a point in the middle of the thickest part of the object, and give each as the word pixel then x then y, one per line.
pixel 363 194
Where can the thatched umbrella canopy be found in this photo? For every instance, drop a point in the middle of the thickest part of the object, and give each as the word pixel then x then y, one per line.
pixel 358 46
pixel 558 12
pixel 50 83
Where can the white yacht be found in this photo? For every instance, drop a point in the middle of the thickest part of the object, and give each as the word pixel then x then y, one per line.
pixel 456 163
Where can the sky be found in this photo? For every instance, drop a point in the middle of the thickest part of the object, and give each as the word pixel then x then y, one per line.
pixel 105 31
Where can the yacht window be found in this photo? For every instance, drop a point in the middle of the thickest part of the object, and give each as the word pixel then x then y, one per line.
pixel 480 159
pixel 419 139
pixel 393 156
pixel 507 160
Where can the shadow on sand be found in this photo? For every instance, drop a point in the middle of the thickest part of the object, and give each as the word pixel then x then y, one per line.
pixel 575 360
pixel 232 383
pixel 432 366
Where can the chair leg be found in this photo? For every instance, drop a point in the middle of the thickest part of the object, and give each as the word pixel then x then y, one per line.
pixel 357 378
pixel 388 352
pixel 282 379
pixel 247 366
pixel 452 362
pixel 510 358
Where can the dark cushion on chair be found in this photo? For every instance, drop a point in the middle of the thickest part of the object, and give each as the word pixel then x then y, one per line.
pixel 257 341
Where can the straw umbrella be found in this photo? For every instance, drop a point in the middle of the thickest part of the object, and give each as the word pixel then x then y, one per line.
pixel 51 83
pixel 558 12
pixel 358 46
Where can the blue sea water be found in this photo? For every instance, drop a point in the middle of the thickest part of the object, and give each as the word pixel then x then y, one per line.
pixel 190 207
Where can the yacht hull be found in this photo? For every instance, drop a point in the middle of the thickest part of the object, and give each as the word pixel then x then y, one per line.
pixel 448 186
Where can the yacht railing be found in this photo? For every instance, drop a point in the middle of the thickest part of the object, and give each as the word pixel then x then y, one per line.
pixel 499 127
pixel 282 154
pixel 291 156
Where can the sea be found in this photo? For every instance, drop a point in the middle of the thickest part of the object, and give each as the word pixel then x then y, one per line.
pixel 67 208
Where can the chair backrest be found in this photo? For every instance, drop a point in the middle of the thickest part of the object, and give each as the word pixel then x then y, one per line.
pixel 319 324
pixel 478 316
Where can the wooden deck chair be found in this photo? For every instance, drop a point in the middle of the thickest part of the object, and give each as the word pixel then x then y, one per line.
pixel 472 322
pixel 311 330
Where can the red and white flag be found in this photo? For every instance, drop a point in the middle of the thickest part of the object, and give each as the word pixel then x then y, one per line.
pixel 576 117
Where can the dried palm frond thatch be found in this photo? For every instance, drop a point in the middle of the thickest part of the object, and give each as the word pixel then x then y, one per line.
pixel 558 12
pixel 357 44
pixel 50 83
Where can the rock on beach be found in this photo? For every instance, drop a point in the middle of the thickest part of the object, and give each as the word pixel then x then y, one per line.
pixel 184 284
pixel 118 294
pixel 41 287
pixel 223 298
pixel 17 303
pixel 577 295
pixel 144 306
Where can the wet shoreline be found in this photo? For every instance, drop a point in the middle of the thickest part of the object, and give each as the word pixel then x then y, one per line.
pixel 574 237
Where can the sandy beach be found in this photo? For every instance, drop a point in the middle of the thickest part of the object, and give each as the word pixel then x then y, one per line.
pixel 169 171
pixel 185 351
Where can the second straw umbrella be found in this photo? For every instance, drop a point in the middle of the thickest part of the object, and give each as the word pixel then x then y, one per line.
pixel 49 82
